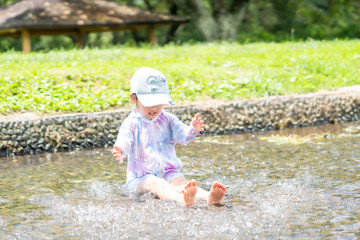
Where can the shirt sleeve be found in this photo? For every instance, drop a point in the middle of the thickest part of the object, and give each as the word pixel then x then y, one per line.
pixel 182 133
pixel 125 136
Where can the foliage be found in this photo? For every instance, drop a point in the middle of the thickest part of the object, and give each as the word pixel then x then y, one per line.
pixel 98 79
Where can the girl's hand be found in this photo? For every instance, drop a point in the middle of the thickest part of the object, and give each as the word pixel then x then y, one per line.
pixel 118 154
pixel 198 123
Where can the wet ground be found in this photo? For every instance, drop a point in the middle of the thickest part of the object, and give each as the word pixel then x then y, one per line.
pixel 290 184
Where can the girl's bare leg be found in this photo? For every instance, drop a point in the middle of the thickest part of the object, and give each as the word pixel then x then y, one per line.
pixel 166 191
pixel 214 196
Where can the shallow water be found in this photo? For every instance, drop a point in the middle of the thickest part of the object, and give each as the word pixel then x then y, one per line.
pixel 276 190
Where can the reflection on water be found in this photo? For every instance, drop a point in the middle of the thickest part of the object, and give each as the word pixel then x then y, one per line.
pixel 275 190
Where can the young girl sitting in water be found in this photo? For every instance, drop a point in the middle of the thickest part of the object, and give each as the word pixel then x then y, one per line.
pixel 148 137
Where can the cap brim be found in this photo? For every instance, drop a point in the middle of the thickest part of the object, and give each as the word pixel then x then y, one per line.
pixel 149 100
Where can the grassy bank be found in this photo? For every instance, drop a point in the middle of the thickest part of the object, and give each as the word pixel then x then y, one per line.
pixel 93 80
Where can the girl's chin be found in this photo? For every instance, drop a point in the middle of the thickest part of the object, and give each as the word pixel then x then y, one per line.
pixel 152 116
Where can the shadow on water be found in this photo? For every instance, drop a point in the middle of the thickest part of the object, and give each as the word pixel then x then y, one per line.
pixel 294 183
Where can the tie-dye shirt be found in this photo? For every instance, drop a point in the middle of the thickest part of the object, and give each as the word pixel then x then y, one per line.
pixel 150 144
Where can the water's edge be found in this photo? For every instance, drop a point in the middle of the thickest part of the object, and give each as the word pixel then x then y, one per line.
pixel 95 130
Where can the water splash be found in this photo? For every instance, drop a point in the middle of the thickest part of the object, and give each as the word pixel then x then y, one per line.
pixel 275 191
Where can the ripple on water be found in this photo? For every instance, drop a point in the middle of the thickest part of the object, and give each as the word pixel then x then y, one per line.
pixel 309 190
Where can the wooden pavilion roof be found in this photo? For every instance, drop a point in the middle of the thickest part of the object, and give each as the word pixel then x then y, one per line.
pixel 89 15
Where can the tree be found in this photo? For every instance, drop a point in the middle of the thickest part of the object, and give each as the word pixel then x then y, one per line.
pixel 215 19
pixel 6 2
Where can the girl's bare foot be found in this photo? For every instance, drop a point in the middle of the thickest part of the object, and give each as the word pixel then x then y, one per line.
pixel 217 192
pixel 189 192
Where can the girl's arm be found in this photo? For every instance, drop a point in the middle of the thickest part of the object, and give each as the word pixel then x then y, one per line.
pixel 124 140
pixel 183 134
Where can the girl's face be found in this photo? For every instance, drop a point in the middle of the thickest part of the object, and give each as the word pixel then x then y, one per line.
pixel 148 112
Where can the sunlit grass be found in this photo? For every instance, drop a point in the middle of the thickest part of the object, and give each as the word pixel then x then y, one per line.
pixel 353 131
pixel 93 79
pixel 295 139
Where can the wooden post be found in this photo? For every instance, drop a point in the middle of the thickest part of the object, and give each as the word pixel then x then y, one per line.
pixel 152 35
pixel 26 41
pixel 79 39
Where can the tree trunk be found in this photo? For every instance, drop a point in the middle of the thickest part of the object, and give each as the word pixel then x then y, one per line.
pixel 228 18
pixel 221 21
pixel 202 18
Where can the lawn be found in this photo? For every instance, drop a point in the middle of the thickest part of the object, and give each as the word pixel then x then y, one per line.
pixel 90 80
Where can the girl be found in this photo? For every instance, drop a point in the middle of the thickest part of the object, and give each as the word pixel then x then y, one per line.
pixel 148 137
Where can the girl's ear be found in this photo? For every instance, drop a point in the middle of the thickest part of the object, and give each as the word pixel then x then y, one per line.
pixel 133 98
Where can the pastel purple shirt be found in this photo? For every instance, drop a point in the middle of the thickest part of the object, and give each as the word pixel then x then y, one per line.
pixel 150 144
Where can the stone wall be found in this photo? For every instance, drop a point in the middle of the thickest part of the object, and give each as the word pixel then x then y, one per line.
pixel 84 131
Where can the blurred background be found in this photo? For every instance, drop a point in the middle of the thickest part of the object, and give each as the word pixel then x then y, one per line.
pixel 242 21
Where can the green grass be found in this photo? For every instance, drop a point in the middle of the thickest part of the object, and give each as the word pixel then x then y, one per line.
pixel 98 79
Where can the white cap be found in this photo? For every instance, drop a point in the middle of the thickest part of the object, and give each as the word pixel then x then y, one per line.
pixel 151 87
